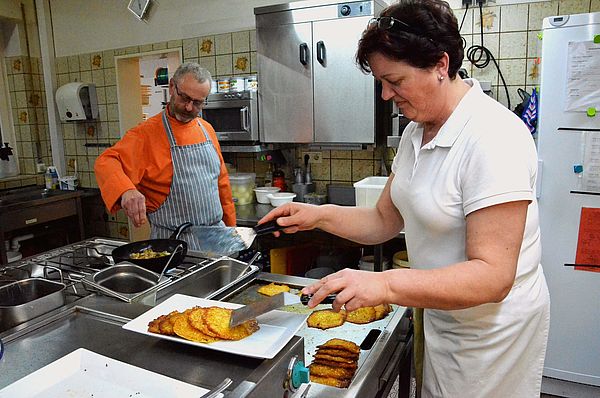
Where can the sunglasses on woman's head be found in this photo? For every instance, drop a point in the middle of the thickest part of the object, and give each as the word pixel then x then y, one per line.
pixel 394 24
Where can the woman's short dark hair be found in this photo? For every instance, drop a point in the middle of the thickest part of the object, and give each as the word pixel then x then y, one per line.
pixel 431 29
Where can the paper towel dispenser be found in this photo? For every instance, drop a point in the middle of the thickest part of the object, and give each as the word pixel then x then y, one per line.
pixel 77 101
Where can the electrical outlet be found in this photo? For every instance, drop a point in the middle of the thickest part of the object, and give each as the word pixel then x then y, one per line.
pixel 313 157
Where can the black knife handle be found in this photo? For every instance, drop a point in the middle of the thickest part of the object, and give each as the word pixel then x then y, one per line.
pixel 327 300
pixel 268 227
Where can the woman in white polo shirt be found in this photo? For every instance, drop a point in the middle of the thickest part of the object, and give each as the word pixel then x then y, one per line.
pixel 463 189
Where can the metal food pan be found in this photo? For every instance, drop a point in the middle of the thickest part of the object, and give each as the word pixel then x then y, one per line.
pixel 26 299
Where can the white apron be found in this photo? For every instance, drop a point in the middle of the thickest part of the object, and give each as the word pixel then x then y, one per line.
pixel 491 350
pixel 194 194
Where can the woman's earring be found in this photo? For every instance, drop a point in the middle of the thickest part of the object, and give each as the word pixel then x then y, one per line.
pixel 440 78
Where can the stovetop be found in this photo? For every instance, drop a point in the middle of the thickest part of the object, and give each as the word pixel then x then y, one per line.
pixel 73 262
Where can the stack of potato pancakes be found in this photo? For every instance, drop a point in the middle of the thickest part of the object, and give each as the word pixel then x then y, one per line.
pixel 335 363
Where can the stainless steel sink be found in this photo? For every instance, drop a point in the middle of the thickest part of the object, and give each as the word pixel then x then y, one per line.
pixel 27 194
pixel 212 281
pixel 26 299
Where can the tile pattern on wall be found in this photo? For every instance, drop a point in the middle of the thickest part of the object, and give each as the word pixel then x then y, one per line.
pixel 30 118
pixel 510 32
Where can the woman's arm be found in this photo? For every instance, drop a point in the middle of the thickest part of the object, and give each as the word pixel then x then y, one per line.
pixel 359 224
pixel 493 243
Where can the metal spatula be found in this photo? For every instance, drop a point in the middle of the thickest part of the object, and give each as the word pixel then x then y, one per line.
pixel 251 311
pixel 227 240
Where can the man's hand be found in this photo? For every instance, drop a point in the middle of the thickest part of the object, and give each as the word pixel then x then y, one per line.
pixel 134 204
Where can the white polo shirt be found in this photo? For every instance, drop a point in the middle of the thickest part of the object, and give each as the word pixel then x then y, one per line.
pixel 482 156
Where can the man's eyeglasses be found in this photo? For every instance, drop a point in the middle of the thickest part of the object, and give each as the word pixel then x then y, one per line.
pixel 198 104
pixel 391 23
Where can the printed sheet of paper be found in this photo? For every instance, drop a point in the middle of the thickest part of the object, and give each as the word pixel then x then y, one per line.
pixel 588 241
pixel 583 76
pixel 591 162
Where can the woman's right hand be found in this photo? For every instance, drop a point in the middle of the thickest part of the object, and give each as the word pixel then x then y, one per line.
pixel 295 216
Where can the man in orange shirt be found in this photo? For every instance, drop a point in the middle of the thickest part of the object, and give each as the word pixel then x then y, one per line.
pixel 169 169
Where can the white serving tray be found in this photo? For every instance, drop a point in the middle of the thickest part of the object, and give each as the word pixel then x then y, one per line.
pixel 276 327
pixel 84 373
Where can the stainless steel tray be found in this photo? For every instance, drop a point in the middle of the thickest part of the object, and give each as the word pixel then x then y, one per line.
pixel 127 282
pixel 28 298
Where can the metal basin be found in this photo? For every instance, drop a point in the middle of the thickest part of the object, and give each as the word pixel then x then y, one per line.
pixel 28 298
pixel 211 281
pixel 126 278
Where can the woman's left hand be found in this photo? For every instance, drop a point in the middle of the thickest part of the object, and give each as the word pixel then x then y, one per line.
pixel 354 288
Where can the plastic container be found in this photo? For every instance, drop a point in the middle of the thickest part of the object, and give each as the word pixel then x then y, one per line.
pixel 242 186
pixel 262 192
pixel 280 198
pixel 68 183
pixel 251 83
pixel 51 178
pixel 368 190
pixel 236 84
pixel 223 85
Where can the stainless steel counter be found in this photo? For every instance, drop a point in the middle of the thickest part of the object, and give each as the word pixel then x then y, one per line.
pixel 94 322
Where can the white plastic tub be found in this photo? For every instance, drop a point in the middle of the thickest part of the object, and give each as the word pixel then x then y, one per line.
pixel 368 190
pixel 263 192
pixel 280 198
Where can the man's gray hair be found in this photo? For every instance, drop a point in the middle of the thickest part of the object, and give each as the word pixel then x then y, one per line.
pixel 193 68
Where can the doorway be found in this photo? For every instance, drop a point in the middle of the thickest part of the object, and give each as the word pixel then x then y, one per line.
pixel 142 92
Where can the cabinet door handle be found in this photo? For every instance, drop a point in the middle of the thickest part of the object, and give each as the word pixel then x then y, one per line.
pixel 303 53
pixel 244 118
pixel 321 52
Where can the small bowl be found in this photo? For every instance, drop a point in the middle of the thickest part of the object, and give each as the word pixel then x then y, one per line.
pixel 262 192
pixel 280 198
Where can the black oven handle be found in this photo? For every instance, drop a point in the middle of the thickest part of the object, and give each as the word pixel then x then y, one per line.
pixel 245 122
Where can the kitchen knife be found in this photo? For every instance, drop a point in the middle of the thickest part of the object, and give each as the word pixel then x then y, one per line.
pixel 226 240
pixel 252 310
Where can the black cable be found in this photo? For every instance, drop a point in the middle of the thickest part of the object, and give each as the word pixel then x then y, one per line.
pixel 480 56
pixel 464 42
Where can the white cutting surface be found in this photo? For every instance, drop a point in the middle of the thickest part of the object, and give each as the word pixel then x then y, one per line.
pixel 276 327
pixel 84 373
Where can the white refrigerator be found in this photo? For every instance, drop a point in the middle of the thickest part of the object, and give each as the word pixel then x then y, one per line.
pixel 568 140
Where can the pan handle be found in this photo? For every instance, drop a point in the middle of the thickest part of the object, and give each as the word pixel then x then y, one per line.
pixel 268 227
pixel 180 229
pixel 179 247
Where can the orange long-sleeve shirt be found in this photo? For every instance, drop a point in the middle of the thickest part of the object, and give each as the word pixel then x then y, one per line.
pixel 142 160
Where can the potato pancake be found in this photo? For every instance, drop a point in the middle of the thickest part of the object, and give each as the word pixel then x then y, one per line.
pixel 330 371
pixel 197 320
pixel 154 325
pixel 272 289
pixel 333 358
pixel 338 353
pixel 341 344
pixel 217 320
pixel 361 315
pixel 382 310
pixel 330 381
pixel 326 319
pixel 183 328
pixel 166 326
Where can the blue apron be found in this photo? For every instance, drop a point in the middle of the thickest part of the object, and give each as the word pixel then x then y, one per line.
pixel 194 194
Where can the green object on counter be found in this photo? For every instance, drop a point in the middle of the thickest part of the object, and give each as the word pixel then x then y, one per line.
pixel 596 39
pixel 591 112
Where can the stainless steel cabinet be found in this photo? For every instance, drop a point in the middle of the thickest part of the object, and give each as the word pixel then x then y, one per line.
pixel 310 88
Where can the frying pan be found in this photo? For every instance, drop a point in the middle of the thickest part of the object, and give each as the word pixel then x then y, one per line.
pixel 123 253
